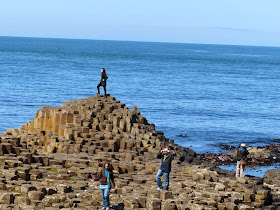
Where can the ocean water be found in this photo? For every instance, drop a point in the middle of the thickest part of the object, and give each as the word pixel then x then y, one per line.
pixel 252 171
pixel 210 94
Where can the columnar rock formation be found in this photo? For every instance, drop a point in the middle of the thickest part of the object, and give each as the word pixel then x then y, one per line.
pixel 48 163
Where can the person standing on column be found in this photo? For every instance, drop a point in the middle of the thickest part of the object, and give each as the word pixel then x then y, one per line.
pixel 242 153
pixel 102 82
pixel 106 178
pixel 166 158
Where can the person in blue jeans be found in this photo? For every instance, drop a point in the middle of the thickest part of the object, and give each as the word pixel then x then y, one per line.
pixel 166 158
pixel 106 178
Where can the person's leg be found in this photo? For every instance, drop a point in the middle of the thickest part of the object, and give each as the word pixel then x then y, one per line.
pixel 166 179
pixel 98 88
pixel 237 169
pixel 106 197
pixel 103 198
pixel 242 167
pixel 105 90
pixel 158 176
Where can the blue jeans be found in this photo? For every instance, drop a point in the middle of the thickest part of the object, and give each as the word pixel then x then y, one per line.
pixel 105 197
pixel 166 179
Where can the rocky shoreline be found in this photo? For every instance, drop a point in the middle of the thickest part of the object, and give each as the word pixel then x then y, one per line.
pixel 48 163
pixel 258 156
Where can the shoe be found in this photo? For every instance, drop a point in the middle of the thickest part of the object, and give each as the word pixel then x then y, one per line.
pixel 103 208
pixel 107 208
pixel 158 189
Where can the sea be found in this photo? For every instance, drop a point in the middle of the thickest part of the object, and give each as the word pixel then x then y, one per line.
pixel 202 96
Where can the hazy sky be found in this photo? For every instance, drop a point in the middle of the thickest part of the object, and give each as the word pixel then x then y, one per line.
pixel 245 22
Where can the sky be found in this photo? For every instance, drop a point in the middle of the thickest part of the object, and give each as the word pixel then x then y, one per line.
pixel 234 22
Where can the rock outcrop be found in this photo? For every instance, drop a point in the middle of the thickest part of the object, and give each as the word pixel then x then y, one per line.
pixel 48 163
pixel 258 156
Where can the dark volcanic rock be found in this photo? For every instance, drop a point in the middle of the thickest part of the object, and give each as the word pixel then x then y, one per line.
pixel 258 156
pixel 276 140
pixel 226 147
pixel 183 135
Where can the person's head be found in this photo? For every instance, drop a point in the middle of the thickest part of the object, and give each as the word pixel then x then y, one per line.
pixel 107 165
pixel 165 150
pixel 243 145
pixel 103 70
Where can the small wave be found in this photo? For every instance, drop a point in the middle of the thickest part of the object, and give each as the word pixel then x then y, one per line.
pixel 200 51
pixel 246 55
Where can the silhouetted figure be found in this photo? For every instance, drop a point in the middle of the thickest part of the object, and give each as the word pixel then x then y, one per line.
pixel 103 81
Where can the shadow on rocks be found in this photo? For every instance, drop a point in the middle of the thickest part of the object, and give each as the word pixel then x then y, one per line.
pixel 120 206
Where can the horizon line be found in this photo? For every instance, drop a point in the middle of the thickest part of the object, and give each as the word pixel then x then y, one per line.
pixel 116 40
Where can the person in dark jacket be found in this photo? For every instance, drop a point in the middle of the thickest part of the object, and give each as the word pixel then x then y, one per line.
pixel 102 82
pixel 166 158
pixel 242 153
pixel 106 178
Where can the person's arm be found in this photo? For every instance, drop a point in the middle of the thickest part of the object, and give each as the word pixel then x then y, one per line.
pixel 104 77
pixel 171 155
pixel 99 176
pixel 238 153
pixel 159 155
pixel 113 179
pixel 244 154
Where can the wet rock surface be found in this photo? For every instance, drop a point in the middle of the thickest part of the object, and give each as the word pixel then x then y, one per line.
pixel 48 163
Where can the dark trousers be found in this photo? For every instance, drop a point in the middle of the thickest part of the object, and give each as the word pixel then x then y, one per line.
pixel 99 89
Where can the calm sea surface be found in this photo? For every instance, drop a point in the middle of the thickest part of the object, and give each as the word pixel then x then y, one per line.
pixel 213 93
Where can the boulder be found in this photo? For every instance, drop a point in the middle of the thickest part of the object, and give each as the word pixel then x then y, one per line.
pixel 272 177
pixel 7 198
pixel 35 195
